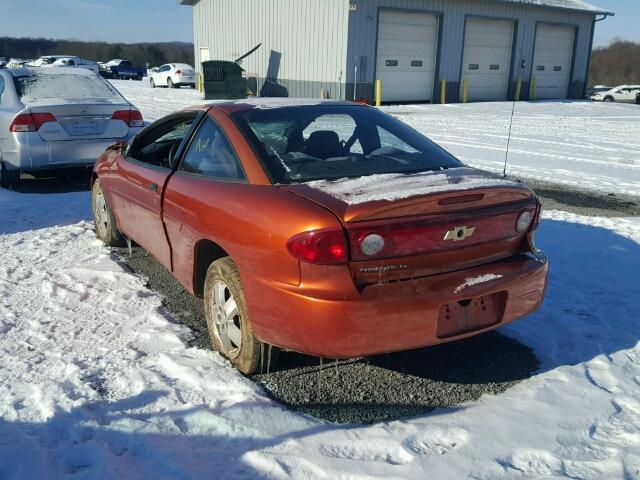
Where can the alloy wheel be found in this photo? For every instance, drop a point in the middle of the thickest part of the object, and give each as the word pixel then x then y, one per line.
pixel 226 319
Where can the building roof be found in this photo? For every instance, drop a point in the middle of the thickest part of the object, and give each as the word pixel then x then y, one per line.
pixel 573 5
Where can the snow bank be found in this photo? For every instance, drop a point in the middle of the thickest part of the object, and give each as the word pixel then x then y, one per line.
pixel 396 186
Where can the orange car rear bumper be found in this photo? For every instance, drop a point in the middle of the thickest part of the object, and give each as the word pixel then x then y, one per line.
pixel 401 315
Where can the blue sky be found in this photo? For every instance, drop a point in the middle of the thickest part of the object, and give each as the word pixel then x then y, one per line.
pixel 165 20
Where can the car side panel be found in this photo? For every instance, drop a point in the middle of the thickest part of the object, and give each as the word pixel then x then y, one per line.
pixel 252 223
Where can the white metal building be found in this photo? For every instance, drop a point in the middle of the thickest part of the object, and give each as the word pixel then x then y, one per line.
pixel 481 49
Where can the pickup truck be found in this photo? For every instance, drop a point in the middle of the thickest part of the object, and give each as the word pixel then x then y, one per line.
pixel 118 68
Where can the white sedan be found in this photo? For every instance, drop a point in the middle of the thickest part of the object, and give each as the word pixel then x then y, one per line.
pixel 173 75
pixel 623 93
pixel 75 62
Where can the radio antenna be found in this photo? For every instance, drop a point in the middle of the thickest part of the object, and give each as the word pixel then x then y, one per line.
pixel 523 65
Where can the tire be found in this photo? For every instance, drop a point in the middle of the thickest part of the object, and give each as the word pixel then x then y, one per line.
pixel 608 99
pixel 231 334
pixel 638 99
pixel 139 77
pixel 103 219
pixel 8 178
pixel 152 83
pixel 193 85
pixel 170 84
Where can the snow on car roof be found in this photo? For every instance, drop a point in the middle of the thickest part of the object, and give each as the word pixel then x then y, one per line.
pixel 280 102
pixel 576 5
pixel 395 186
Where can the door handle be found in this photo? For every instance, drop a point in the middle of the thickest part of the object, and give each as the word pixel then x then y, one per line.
pixel 153 187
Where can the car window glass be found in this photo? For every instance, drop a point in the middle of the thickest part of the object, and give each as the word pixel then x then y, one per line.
pixel 388 139
pixel 210 154
pixel 343 125
pixel 297 144
pixel 62 85
pixel 155 146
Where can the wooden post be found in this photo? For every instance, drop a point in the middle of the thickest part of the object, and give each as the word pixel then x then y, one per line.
pixel 465 90
pixel 443 91
pixel 378 93
pixel 516 96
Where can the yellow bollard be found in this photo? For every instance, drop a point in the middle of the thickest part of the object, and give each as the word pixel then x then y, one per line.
pixel 200 83
pixel 534 88
pixel 443 91
pixel 465 90
pixel 378 93
pixel 516 96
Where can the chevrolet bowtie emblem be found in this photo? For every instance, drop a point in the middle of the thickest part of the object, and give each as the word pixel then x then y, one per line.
pixel 459 233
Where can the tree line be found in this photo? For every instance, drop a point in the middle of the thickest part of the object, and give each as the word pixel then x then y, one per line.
pixel 617 64
pixel 154 54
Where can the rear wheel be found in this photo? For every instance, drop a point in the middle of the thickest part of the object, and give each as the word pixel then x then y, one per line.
pixel 103 218
pixel 8 178
pixel 170 83
pixel 228 320
pixel 139 77
pixel 608 99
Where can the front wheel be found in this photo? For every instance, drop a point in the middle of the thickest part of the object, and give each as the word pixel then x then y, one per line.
pixel 103 218
pixel 152 83
pixel 228 320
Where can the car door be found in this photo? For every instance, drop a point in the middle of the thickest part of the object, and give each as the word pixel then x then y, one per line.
pixel 199 197
pixel 136 181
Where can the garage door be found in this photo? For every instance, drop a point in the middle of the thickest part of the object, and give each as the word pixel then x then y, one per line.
pixel 486 61
pixel 406 59
pixel 552 61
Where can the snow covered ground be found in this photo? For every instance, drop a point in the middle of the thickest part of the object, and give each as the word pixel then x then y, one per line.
pixel 581 144
pixel 97 380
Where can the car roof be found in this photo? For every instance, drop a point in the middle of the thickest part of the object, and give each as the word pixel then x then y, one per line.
pixel 276 102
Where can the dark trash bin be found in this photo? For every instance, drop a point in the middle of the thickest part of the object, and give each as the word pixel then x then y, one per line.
pixel 223 80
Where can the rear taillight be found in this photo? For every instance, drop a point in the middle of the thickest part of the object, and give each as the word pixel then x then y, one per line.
pixel 178 72
pixel 324 247
pixel 30 122
pixel 132 118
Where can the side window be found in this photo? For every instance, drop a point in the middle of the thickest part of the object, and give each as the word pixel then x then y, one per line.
pixel 210 154
pixel 389 140
pixel 157 145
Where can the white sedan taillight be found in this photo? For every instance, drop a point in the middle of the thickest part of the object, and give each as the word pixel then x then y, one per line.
pixel 132 118
pixel 30 122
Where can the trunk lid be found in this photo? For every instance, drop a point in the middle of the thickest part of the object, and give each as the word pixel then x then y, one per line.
pixel 429 223
pixel 78 121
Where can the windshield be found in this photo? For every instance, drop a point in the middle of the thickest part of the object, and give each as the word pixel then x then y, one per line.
pixel 38 86
pixel 304 143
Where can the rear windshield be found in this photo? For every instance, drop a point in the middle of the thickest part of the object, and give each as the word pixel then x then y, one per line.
pixel 304 143
pixel 65 86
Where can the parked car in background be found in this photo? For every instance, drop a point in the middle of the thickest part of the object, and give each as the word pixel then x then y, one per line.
pixel 74 62
pixel 328 228
pixel 55 118
pixel 17 63
pixel 122 69
pixel 46 60
pixel 623 93
pixel 173 75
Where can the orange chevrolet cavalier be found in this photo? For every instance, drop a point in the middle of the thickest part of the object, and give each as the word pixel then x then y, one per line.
pixel 327 228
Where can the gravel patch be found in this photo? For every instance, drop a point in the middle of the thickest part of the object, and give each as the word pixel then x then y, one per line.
pixel 366 390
